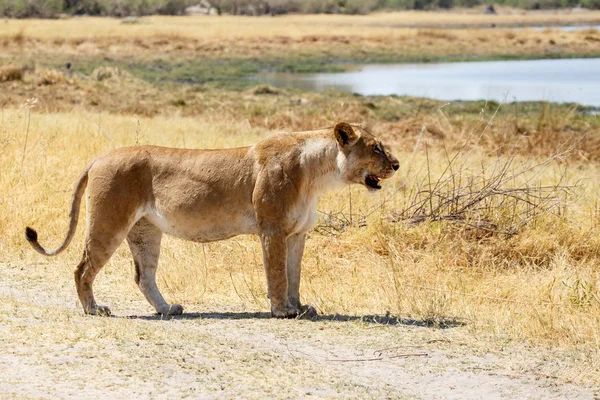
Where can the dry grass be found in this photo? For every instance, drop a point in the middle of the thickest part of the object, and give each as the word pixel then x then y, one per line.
pixel 198 27
pixel 102 73
pixel 345 37
pixel 10 73
pixel 535 130
pixel 540 285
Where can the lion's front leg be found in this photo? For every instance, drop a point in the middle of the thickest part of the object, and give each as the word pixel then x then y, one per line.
pixel 295 250
pixel 274 247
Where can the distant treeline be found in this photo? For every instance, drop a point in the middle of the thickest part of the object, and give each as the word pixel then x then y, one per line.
pixel 122 8
pixel 119 8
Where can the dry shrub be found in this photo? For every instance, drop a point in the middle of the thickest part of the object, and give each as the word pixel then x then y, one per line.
pixel 499 195
pixel 19 37
pixel 496 197
pixel 493 193
pixel 436 130
pixel 11 73
pixel 48 77
pixel 265 89
pixel 103 73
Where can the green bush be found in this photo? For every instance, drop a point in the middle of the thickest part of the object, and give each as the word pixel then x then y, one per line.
pixel 118 8
pixel 31 8
pixel 591 4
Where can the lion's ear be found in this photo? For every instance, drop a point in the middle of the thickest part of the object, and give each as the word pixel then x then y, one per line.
pixel 345 135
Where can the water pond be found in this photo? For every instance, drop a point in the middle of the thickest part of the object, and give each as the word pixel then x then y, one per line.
pixel 559 80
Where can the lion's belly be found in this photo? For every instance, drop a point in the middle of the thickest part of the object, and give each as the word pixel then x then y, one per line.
pixel 201 227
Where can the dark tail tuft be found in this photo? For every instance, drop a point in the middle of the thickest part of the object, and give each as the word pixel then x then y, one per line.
pixel 31 234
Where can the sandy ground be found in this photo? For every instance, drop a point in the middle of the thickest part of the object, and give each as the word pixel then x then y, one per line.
pixel 50 350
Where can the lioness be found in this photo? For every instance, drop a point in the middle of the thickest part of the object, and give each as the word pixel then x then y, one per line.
pixel 269 189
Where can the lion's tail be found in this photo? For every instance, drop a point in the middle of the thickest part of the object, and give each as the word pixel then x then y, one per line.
pixel 32 236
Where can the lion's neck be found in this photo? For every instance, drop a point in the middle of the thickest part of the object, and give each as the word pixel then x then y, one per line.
pixel 324 161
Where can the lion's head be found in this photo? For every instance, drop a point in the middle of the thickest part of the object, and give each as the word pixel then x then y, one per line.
pixel 367 160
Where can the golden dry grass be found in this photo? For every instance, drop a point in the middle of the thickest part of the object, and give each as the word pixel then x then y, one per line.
pixel 536 130
pixel 393 36
pixel 541 285
pixel 220 28
pixel 10 73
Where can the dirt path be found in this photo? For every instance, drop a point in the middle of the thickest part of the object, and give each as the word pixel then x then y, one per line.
pixel 51 351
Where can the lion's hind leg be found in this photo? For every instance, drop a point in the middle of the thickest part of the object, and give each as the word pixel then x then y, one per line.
pixel 85 273
pixel 103 237
pixel 144 241
pixel 96 254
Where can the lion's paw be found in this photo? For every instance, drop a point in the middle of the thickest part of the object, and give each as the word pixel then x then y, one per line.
pixel 101 311
pixel 304 311
pixel 287 312
pixel 173 309
pixel 307 311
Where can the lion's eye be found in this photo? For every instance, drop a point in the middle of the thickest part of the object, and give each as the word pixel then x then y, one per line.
pixel 377 149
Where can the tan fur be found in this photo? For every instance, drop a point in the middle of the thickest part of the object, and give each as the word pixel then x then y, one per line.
pixel 269 189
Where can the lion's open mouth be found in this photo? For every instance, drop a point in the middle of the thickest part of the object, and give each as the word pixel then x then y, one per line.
pixel 372 181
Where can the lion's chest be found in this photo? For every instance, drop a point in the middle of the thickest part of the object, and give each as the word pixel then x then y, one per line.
pixel 303 216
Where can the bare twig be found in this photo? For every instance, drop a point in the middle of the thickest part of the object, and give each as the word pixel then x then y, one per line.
pixel 381 358
pixel 29 104
pixel 500 196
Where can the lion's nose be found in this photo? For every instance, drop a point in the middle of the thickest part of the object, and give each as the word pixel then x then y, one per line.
pixel 396 165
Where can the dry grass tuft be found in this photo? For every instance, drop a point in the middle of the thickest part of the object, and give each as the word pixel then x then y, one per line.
pixel 265 89
pixel 19 37
pixel 436 34
pixel 11 73
pixel 102 73
pixel 49 77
